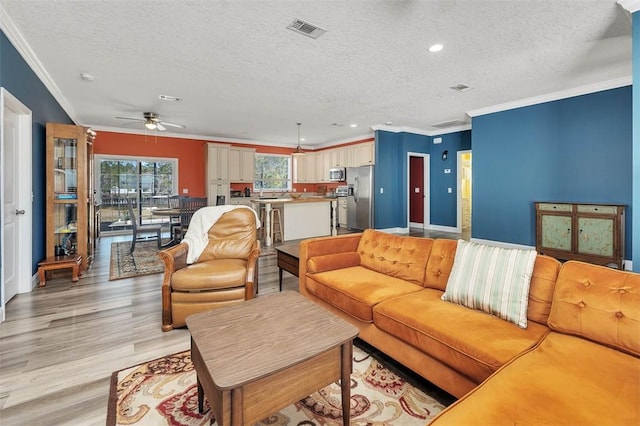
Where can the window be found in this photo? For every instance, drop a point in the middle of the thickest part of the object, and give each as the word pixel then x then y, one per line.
pixel 273 172
pixel 146 181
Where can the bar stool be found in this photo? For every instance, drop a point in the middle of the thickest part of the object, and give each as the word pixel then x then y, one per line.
pixel 276 225
pixel 262 233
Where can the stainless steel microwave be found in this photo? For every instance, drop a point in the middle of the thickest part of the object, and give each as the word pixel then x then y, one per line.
pixel 338 174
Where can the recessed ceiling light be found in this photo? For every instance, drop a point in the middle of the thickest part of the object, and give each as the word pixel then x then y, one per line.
pixel 435 48
pixel 388 123
pixel 353 125
pixel 86 76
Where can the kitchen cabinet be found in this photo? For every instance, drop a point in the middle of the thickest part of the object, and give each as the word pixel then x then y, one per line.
pixel 69 193
pixel 241 165
pixel 342 212
pixel 588 232
pixel 361 154
pixel 323 164
pixel 305 168
pixel 217 172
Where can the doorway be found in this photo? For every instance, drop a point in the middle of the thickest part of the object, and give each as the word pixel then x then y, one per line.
pixel 418 197
pixel 464 192
pixel 15 199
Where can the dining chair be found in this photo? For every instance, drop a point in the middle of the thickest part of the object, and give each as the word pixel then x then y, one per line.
pixel 174 204
pixel 188 207
pixel 139 230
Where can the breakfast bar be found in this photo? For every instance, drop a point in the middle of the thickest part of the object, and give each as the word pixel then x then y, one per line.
pixel 302 218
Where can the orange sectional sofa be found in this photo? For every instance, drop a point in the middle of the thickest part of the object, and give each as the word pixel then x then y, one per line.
pixel 576 362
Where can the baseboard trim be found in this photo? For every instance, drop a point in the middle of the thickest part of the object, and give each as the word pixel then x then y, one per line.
pixel 394 230
pixel 442 228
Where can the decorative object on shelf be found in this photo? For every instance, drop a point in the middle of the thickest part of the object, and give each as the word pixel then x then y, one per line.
pixel 298 150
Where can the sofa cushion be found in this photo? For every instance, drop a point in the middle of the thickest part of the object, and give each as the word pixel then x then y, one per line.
pixel 440 262
pixel 492 279
pixel 543 283
pixel 598 303
pixel 566 380
pixel 356 290
pixel 472 342
pixel 396 256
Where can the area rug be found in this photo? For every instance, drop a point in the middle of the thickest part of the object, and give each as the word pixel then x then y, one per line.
pixel 143 261
pixel 164 392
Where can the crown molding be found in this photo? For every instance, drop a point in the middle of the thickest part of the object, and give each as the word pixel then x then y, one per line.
pixel 549 97
pixel 401 129
pixel 630 5
pixel 17 40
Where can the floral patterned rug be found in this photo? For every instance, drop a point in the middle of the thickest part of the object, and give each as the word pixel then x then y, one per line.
pixel 143 261
pixel 164 392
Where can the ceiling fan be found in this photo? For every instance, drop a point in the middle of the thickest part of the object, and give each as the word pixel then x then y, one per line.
pixel 152 121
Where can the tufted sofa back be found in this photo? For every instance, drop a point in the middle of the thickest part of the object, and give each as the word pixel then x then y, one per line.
pixel 233 236
pixel 397 256
pixel 598 303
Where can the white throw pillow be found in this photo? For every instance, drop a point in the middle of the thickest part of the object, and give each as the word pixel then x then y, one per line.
pixel 492 279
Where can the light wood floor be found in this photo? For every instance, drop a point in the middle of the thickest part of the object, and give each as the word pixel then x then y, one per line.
pixel 60 344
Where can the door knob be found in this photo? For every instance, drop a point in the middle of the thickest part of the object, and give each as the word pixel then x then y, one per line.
pixel 19 211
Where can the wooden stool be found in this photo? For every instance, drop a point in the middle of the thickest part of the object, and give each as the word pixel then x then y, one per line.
pixel 261 232
pixel 59 262
pixel 276 220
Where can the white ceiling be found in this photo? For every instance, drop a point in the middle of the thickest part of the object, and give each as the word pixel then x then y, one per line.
pixel 242 75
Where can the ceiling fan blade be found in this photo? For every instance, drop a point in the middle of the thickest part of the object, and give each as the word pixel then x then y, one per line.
pixel 180 126
pixel 130 118
pixel 160 127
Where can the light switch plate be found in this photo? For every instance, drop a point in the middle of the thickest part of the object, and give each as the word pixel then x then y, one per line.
pixel 447 171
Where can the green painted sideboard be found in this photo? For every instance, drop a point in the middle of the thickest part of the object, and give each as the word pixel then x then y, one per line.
pixel 589 232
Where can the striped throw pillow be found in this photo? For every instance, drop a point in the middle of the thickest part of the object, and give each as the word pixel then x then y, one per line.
pixel 492 279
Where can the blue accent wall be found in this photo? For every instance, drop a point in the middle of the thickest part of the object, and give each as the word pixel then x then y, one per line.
pixel 17 77
pixel 444 205
pixel 576 150
pixel 391 174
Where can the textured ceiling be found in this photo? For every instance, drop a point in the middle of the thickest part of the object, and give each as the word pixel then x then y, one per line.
pixel 243 75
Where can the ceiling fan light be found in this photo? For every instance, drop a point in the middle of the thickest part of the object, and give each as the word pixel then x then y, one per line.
pixel 150 125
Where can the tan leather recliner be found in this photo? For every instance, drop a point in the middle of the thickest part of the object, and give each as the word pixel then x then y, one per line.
pixel 225 273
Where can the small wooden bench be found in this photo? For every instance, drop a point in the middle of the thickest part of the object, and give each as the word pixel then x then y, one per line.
pixel 59 262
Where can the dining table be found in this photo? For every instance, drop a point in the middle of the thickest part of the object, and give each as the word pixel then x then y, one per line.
pixel 171 214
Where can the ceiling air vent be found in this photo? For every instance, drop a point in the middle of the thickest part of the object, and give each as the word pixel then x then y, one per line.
pixel 460 87
pixel 306 28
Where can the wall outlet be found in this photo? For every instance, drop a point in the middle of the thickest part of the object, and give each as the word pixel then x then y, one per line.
pixel 447 171
pixel 382 190
pixel 449 190
pixel 185 190
pixel 294 189
pixel 305 189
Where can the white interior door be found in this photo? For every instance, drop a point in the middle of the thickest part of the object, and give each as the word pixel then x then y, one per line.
pixel 10 179
pixel 15 198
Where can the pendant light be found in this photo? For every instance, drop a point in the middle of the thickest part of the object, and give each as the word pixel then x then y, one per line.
pixel 298 150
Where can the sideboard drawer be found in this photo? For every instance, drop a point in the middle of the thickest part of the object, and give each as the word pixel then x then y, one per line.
pixel 555 207
pixel 582 208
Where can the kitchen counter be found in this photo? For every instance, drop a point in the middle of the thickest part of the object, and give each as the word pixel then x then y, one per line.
pixel 306 217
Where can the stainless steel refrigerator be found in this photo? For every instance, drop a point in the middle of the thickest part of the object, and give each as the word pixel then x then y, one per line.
pixel 360 197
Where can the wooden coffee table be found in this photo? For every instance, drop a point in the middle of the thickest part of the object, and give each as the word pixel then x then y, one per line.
pixel 257 357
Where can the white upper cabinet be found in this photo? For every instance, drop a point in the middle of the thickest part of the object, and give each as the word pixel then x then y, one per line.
pixel 241 164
